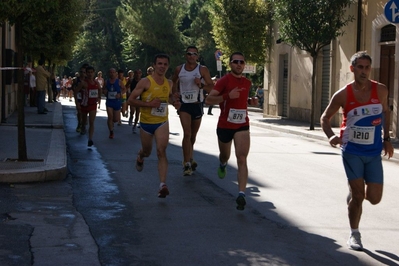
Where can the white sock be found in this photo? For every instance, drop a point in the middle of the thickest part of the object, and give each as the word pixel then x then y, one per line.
pixel 242 193
pixel 354 231
pixel 161 185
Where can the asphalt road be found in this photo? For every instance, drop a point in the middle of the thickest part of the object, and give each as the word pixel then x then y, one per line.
pixel 295 215
pixel 107 213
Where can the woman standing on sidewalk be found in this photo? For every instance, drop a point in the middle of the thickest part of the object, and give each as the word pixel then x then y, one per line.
pixel 91 92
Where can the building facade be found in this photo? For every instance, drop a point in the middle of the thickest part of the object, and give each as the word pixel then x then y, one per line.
pixel 288 75
pixel 8 84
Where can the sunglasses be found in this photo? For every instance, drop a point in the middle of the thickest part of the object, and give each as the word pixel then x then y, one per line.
pixel 241 62
pixel 191 53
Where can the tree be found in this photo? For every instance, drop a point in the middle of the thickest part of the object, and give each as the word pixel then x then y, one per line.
pixel 155 24
pixel 310 25
pixel 199 31
pixel 242 26
pixel 100 39
pixel 38 24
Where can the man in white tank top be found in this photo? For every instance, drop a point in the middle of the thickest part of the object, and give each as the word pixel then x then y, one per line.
pixel 190 79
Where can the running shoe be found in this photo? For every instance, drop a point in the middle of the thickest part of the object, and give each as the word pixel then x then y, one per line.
pixel 83 130
pixel 134 130
pixel 193 165
pixel 163 192
pixel 90 143
pixel 111 135
pixel 78 128
pixel 222 171
pixel 241 202
pixel 187 171
pixel 355 242
pixel 139 164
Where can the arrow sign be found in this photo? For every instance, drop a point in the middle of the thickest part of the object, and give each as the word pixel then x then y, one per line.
pixel 391 11
pixel 218 54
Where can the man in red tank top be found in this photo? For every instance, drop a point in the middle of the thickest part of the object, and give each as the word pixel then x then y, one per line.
pixel 91 93
pixel 366 116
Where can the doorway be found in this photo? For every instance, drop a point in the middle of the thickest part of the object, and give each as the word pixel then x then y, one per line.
pixel 387 72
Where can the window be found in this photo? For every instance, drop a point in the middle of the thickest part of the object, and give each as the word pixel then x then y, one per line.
pixel 388 33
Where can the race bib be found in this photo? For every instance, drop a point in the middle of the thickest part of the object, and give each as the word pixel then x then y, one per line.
pixel 361 135
pixel 160 111
pixel 93 94
pixel 189 96
pixel 112 95
pixel 237 116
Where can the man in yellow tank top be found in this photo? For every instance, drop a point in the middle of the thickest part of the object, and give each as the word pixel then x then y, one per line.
pixel 156 93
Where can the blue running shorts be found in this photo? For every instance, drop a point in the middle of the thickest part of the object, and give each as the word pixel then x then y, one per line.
pixel 367 167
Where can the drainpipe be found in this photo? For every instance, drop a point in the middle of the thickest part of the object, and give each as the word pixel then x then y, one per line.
pixel 266 87
pixel 359 24
pixel 3 74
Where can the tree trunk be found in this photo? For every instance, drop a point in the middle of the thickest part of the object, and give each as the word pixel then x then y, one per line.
pixel 22 152
pixel 312 118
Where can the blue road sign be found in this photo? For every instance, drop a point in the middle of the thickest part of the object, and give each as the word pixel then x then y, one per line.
pixel 391 11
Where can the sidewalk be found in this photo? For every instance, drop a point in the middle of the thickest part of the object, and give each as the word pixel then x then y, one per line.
pixel 46 146
pixel 298 128
pixel 45 142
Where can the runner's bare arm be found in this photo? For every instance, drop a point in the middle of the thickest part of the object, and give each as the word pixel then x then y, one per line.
pixel 207 78
pixel 337 101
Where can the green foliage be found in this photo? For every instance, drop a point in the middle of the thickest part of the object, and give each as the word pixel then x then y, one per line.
pixel 49 26
pixel 242 25
pixel 155 24
pixel 99 43
pixel 200 33
pixel 311 24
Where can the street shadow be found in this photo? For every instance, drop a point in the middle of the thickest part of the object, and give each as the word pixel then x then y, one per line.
pixel 381 259
pixel 326 153
pixel 202 213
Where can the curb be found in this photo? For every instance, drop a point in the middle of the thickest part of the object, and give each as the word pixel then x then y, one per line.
pixel 54 167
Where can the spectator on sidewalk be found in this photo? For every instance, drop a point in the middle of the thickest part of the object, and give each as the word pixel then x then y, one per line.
pixel 42 76
pixel 260 94
pixel 32 89
pixel 366 118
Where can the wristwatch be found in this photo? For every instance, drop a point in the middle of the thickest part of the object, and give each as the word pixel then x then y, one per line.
pixel 387 139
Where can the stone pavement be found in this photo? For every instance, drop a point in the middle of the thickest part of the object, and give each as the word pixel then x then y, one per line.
pixel 46 146
pixel 45 142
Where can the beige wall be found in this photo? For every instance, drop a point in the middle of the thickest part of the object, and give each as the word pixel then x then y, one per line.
pixel 300 66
